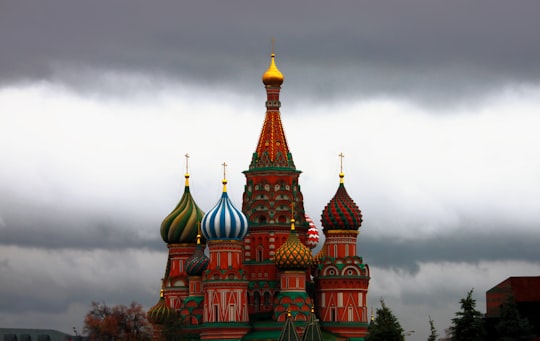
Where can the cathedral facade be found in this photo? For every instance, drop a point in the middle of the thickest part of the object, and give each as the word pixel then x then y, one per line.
pixel 245 273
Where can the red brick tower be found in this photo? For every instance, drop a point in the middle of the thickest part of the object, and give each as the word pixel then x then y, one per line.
pixel 225 315
pixel 271 186
pixel 179 230
pixel 341 277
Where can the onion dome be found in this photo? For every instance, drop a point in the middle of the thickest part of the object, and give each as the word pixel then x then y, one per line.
pixel 180 226
pixel 293 255
pixel 224 221
pixel 160 313
pixel 272 76
pixel 312 234
pixel 341 213
pixel 198 262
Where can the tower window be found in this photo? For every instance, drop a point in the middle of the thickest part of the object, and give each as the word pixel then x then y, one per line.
pixel 216 313
pixel 260 254
pixel 333 314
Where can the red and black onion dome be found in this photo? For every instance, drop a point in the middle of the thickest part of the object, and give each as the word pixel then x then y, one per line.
pixel 197 263
pixel 341 213
pixel 293 254
pixel 160 313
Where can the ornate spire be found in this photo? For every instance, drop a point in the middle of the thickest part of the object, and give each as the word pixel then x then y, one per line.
pixel 288 333
pixel 313 329
pixel 272 149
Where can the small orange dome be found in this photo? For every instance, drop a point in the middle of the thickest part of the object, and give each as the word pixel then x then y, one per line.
pixel 272 76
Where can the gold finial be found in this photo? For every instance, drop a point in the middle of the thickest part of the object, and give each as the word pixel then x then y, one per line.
pixel 272 76
pixel 313 308
pixel 341 175
pixel 187 169
pixel 224 181
pixel 289 313
pixel 199 233
pixel 161 293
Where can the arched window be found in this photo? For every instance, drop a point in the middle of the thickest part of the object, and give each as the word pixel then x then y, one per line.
pixel 256 301
pixel 266 298
pixel 259 255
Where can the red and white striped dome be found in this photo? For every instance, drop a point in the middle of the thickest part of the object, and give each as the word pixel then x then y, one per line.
pixel 312 234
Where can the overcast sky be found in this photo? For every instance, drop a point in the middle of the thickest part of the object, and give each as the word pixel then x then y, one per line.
pixel 435 105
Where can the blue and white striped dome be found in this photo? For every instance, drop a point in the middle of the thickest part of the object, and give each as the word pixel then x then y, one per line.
pixel 224 221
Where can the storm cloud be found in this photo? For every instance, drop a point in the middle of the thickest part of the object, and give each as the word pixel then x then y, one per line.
pixel 434 104
pixel 426 50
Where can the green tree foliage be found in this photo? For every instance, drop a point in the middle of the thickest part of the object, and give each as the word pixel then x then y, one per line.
pixel 511 327
pixel 385 326
pixel 433 335
pixel 468 325
pixel 117 323
pixel 173 331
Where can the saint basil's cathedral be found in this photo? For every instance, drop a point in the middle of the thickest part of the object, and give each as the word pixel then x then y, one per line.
pixel 257 278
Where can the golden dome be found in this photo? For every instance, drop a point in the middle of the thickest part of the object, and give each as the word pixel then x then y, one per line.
pixel 272 76
pixel 293 255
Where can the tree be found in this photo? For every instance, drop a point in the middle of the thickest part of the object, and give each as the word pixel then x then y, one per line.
pixel 511 327
pixel 117 323
pixel 433 336
pixel 468 324
pixel 385 326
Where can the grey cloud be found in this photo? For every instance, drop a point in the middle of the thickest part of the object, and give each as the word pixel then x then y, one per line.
pixel 460 245
pixel 419 49
pixel 78 231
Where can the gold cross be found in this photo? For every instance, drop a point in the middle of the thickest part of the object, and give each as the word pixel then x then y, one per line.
pixel 224 164
pixel 341 156
pixel 187 160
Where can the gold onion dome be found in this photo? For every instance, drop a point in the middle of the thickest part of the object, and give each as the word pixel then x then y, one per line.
pixel 341 213
pixel 293 255
pixel 272 76
pixel 160 313
pixel 181 225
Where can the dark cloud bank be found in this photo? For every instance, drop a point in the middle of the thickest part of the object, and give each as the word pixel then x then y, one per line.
pixel 459 245
pixel 428 50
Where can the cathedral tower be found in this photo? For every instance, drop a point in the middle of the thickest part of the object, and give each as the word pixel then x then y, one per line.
pixel 225 314
pixel 179 231
pixel 271 186
pixel 341 277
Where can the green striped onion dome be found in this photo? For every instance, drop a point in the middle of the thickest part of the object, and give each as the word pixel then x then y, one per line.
pixel 160 313
pixel 341 213
pixel 181 225
pixel 293 254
